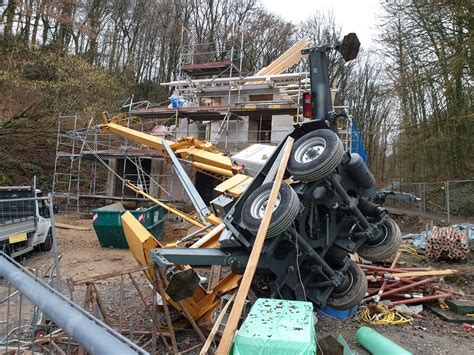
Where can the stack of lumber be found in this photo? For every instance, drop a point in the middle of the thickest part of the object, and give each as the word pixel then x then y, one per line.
pixel 447 243
pixel 288 59
pixel 406 285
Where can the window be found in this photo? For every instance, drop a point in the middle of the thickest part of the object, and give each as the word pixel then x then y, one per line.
pixel 263 97
pixel 43 209
pixel 260 128
pixel 210 101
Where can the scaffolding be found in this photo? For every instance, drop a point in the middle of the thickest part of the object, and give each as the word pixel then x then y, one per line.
pixel 85 161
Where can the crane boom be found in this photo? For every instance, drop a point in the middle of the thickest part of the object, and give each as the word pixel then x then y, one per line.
pixel 203 155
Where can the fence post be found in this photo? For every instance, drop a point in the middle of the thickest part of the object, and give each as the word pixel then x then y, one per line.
pixel 421 199
pixel 55 242
pixel 424 198
pixel 447 198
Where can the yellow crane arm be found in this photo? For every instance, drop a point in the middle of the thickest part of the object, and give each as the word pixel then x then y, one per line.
pixel 204 156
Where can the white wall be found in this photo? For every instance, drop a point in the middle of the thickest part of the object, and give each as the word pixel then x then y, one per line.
pixel 281 125
pixel 237 133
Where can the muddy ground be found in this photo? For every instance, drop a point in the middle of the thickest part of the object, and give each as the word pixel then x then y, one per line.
pixel 82 256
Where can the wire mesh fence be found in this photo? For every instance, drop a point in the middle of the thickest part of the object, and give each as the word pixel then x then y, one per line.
pixel 451 198
pixel 25 328
pixel 35 316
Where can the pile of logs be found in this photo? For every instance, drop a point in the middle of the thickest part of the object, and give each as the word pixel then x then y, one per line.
pixel 406 285
pixel 447 243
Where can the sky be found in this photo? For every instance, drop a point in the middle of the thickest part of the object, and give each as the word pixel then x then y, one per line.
pixel 352 15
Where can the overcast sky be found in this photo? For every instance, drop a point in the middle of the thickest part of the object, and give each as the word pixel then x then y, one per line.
pixel 352 15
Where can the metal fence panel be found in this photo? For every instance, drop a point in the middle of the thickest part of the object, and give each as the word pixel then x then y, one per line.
pixel 443 198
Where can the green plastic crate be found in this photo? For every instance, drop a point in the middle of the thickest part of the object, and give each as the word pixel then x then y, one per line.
pixel 277 327
pixel 108 225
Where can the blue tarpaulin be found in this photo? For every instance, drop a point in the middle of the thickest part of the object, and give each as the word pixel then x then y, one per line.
pixel 357 144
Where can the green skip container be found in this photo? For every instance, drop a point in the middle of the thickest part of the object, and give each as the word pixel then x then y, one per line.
pixel 108 225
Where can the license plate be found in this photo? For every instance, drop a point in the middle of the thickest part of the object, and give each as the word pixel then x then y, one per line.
pixel 17 238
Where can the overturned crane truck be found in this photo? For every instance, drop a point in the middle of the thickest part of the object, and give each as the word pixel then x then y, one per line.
pixel 323 213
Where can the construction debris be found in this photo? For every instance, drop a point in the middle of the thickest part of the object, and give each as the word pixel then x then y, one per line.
pixel 447 243
pixel 420 240
pixel 406 285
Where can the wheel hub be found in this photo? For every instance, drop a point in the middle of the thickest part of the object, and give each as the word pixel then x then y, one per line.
pixel 381 237
pixel 346 284
pixel 258 207
pixel 310 150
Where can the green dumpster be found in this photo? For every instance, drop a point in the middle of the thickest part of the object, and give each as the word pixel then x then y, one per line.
pixel 108 225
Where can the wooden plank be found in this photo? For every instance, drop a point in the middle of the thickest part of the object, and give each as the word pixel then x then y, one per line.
pixel 215 328
pixel 209 236
pixel 95 278
pixel 286 60
pixel 70 226
pixel 158 286
pixel 232 323
pixel 214 277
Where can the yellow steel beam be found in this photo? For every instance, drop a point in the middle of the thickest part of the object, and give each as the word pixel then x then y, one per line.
pixel 213 169
pixel 202 303
pixel 186 148
pixel 165 206
pixel 134 135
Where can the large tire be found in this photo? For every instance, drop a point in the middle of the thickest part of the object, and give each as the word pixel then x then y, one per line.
pixel 386 247
pixel 352 291
pixel 48 242
pixel 315 155
pixel 285 212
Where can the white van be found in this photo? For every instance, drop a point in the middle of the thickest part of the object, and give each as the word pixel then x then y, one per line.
pixel 24 224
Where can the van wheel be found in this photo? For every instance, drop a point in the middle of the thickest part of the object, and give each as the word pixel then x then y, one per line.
pixel 48 242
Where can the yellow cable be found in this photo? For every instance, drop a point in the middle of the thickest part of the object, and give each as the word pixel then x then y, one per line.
pixel 408 249
pixel 382 315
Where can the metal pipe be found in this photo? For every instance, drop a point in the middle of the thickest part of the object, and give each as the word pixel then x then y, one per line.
pixel 263 78
pixel 55 242
pixel 386 269
pixel 95 336
pixel 398 289
pixel 423 299
pixel 384 283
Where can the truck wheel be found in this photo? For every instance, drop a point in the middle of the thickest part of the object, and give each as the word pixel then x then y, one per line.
pixel 352 290
pixel 48 242
pixel 315 155
pixel 386 246
pixel 286 209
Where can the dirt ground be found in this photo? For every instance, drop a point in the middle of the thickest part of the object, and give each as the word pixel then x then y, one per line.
pixel 82 256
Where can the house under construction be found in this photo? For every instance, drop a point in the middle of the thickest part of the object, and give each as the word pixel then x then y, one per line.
pixel 211 101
